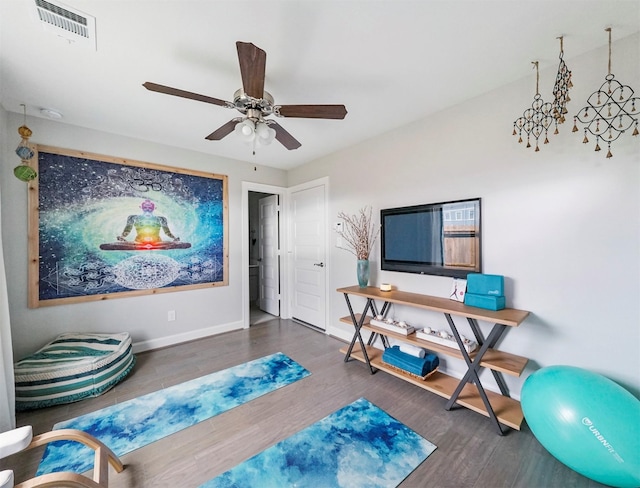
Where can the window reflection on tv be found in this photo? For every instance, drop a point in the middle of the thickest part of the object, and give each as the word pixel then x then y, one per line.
pixel 436 238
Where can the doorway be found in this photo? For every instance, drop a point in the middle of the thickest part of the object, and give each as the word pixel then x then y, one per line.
pixel 264 257
pixel 296 269
pixel 262 270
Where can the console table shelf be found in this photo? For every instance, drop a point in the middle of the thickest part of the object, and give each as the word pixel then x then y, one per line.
pixel 468 391
pixel 507 410
pixel 493 359
pixel 507 316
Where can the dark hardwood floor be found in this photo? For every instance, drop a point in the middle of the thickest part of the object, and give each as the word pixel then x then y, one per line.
pixel 469 451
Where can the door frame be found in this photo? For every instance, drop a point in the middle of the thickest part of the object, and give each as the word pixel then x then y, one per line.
pixel 324 182
pixel 248 186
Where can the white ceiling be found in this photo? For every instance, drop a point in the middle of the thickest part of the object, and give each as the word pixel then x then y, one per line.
pixel 388 61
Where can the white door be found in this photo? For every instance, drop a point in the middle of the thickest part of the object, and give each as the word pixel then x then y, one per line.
pixel 308 221
pixel 269 255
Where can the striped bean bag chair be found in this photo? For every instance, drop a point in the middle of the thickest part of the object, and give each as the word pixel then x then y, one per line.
pixel 72 367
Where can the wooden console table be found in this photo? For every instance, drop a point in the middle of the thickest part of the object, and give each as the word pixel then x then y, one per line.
pixel 468 391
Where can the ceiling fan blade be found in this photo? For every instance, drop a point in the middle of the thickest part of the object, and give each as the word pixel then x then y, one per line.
pixel 253 61
pixel 284 138
pixel 184 94
pixel 224 130
pixel 312 111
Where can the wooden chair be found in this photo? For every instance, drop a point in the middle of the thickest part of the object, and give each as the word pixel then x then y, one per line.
pixel 21 439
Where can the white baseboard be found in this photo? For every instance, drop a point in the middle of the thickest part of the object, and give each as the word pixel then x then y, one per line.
pixel 185 337
pixel 339 333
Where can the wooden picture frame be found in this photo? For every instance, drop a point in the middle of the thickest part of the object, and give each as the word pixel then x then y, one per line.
pixel 102 227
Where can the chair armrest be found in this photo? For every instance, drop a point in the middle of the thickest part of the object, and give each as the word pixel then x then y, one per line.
pixel 6 479
pixel 15 440
pixel 84 438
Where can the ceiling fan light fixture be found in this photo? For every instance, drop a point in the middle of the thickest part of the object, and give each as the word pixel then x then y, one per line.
pixel 265 134
pixel 246 130
pixel 255 131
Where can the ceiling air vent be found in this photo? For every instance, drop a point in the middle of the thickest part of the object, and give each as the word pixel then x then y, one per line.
pixel 67 22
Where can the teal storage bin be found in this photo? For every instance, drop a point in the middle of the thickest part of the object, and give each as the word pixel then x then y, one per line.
pixel 485 284
pixel 488 302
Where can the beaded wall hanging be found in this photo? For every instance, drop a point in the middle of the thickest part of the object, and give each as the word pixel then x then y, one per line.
pixel 611 110
pixel 24 172
pixel 535 120
pixel 561 89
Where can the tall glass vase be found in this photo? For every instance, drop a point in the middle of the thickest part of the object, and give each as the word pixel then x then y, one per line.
pixel 363 272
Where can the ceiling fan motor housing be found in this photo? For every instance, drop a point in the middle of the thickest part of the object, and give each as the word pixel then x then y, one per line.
pixel 244 103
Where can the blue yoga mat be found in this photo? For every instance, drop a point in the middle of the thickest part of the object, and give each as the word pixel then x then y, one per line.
pixel 135 423
pixel 360 445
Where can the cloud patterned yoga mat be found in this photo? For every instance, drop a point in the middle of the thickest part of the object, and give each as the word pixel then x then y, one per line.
pixel 360 445
pixel 135 423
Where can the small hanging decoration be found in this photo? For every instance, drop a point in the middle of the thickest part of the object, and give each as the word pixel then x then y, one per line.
pixel 24 172
pixel 561 89
pixel 537 119
pixel 610 110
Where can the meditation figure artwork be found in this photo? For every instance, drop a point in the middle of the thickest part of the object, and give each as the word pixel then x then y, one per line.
pixel 148 227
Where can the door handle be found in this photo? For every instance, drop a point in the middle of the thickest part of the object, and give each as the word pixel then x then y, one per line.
pixel 319 264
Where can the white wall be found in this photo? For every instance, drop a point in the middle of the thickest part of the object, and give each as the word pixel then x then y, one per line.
pixel 562 225
pixel 198 312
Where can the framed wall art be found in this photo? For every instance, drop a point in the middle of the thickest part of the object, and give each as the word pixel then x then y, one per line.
pixel 102 227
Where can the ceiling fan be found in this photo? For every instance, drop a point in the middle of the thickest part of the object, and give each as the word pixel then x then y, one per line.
pixel 255 104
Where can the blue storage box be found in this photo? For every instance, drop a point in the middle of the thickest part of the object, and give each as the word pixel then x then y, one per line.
pixel 489 302
pixel 485 284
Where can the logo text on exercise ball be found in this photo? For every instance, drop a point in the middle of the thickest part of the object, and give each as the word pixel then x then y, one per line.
pixel 587 421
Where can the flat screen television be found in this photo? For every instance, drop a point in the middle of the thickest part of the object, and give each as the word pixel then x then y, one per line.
pixel 436 238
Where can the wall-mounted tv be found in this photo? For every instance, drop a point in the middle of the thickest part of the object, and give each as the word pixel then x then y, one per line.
pixel 436 238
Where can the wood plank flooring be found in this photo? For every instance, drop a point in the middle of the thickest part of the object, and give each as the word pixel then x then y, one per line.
pixel 469 453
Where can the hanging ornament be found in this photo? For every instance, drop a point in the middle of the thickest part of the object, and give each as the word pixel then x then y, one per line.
pixel 24 172
pixel 610 111
pixel 561 89
pixel 535 120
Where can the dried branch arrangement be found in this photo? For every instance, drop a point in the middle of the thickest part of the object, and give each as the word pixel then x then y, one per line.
pixel 359 232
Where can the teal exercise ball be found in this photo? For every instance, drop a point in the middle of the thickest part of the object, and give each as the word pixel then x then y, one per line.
pixel 586 421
